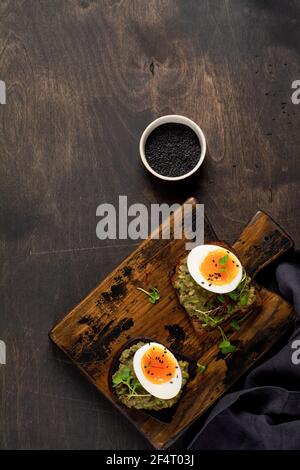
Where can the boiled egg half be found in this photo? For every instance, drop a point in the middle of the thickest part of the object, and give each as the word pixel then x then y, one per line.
pixel 215 268
pixel 157 370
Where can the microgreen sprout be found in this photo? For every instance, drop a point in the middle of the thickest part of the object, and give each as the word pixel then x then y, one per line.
pixel 225 345
pixel 124 376
pixel 235 325
pixel 222 263
pixel 201 368
pixel 153 294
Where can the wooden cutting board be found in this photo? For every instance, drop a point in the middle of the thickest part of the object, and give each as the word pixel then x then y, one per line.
pixel 93 333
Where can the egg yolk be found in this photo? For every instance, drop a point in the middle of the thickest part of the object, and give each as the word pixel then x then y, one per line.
pixel 219 267
pixel 158 365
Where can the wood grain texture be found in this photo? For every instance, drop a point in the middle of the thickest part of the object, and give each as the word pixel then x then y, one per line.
pixel 83 79
pixel 115 313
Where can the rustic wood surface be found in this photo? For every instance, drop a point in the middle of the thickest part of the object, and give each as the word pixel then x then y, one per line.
pixel 83 80
pixel 115 313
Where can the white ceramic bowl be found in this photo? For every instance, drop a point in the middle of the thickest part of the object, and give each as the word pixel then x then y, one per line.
pixel 166 120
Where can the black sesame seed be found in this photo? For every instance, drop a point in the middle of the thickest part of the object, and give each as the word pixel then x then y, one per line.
pixel 172 149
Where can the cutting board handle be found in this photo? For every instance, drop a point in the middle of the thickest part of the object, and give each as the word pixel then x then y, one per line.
pixel 261 242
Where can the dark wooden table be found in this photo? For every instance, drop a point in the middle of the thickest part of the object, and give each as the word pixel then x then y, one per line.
pixel 83 79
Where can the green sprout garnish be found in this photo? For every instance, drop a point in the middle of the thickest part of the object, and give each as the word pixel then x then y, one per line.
pixel 222 262
pixel 235 325
pixel 201 368
pixel 125 377
pixel 225 345
pixel 153 294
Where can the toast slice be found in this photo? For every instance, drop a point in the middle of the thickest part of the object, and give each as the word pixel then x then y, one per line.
pixel 208 310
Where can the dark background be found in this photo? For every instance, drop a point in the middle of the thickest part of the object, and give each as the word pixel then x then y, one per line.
pixel 83 80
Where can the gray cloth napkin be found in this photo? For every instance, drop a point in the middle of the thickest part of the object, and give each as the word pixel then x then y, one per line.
pixel 265 413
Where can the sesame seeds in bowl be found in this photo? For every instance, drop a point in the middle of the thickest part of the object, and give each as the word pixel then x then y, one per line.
pixel 172 147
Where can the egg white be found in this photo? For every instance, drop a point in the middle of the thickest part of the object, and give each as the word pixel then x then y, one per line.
pixel 165 390
pixel 194 261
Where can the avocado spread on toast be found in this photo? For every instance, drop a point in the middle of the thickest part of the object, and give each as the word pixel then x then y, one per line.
pixel 205 305
pixel 131 393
